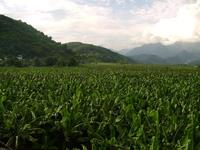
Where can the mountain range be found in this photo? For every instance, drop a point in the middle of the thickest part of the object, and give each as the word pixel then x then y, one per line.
pixel 17 38
pixel 157 53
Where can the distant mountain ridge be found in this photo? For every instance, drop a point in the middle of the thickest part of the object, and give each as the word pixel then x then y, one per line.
pixel 19 38
pixel 177 53
pixel 148 59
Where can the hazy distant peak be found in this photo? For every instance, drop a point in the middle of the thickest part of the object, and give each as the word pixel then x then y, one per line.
pixel 177 53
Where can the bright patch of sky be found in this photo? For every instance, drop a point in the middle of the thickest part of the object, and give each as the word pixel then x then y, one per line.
pixel 115 3
pixel 115 24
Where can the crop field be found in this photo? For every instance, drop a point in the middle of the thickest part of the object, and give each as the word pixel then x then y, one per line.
pixel 100 107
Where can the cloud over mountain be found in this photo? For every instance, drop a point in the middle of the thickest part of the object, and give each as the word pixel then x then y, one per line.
pixel 115 24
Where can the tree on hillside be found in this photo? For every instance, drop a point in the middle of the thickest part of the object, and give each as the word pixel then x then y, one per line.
pixel 50 61
pixel 73 62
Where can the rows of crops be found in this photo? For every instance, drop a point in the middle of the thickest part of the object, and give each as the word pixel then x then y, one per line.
pixel 105 107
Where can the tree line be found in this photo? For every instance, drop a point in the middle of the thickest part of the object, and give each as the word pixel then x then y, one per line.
pixel 38 62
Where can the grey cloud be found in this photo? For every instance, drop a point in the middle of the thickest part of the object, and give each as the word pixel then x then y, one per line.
pixel 58 14
pixel 2 2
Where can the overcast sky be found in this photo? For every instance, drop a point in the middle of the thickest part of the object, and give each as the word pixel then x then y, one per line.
pixel 116 24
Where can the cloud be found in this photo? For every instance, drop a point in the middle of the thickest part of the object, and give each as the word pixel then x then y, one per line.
pixel 68 21
pixel 182 27
pixel 168 22
pixel 115 24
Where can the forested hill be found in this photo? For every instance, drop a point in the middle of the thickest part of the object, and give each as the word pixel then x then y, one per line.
pixel 19 38
pixel 90 53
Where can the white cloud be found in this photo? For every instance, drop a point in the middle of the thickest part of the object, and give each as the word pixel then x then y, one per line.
pixel 182 27
pixel 168 22
pixel 67 20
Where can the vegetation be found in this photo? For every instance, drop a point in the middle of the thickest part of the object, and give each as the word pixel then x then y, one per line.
pixel 100 107
pixel 20 39
pixel 39 62
pixel 88 53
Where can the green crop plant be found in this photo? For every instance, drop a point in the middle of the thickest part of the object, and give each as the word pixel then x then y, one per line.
pixel 96 107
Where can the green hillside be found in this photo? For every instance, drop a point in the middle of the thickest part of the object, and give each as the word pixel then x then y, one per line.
pixel 88 53
pixel 19 38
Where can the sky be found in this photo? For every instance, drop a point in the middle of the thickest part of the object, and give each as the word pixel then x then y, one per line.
pixel 115 24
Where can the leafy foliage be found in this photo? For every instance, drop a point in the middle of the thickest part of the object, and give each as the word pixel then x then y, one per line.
pixel 100 107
